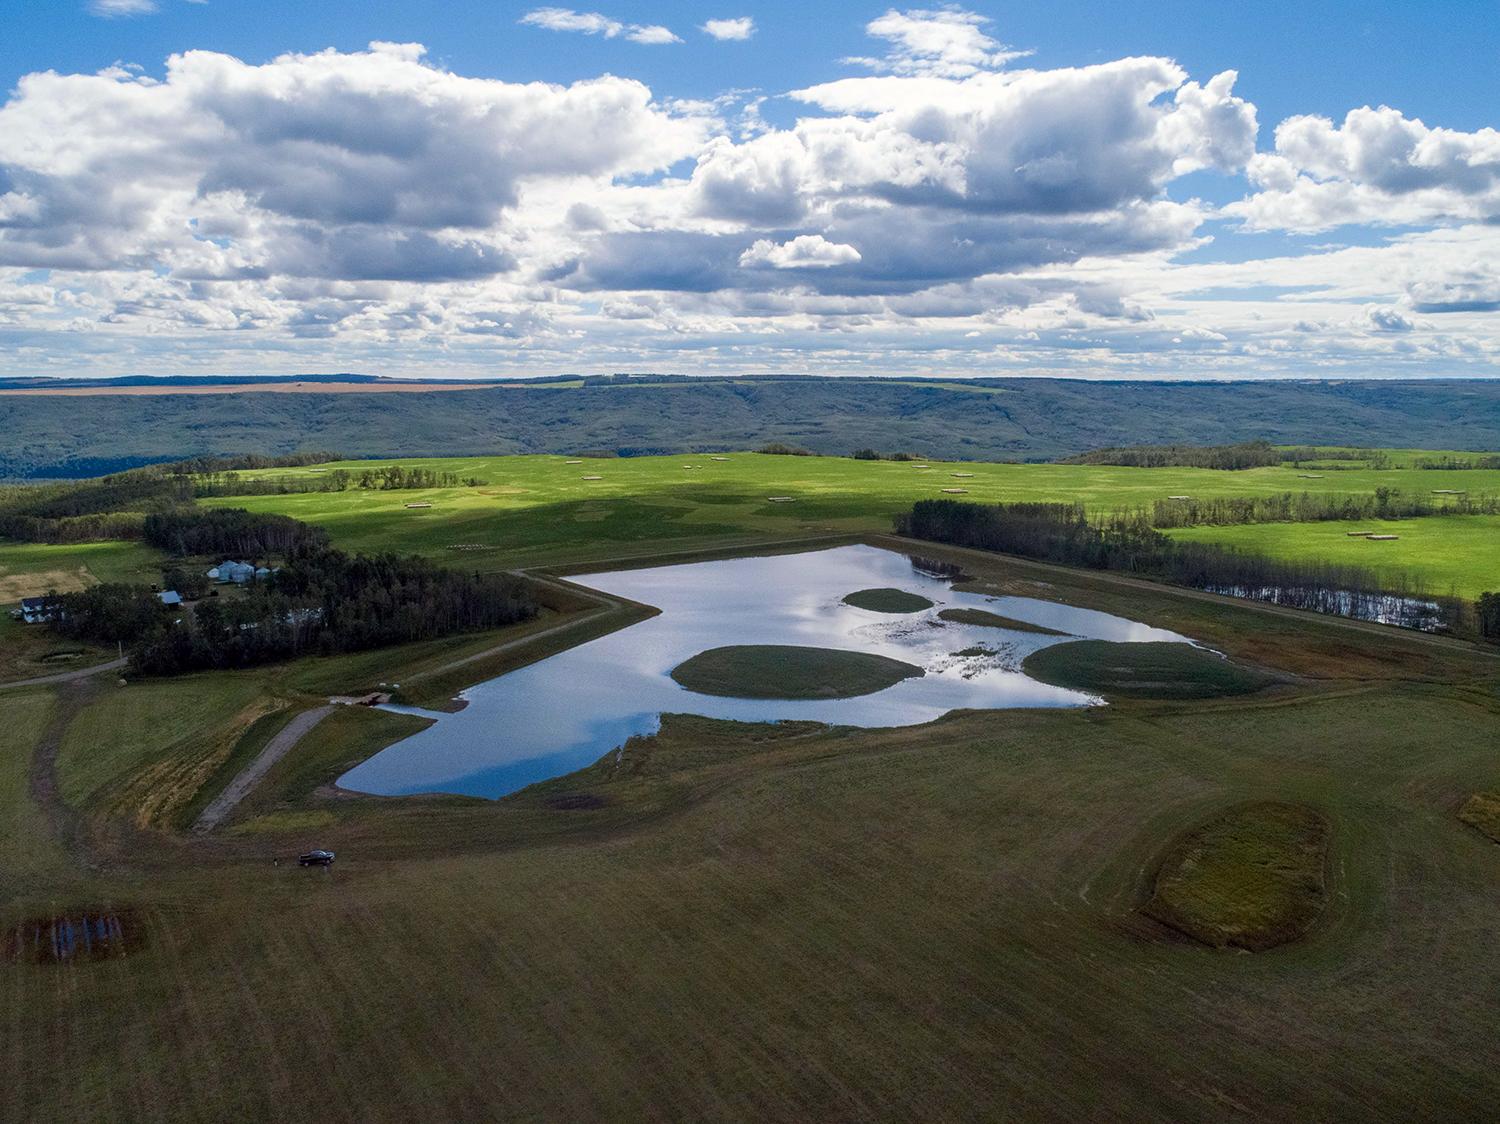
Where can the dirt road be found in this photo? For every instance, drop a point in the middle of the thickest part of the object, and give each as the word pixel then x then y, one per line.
pixel 275 750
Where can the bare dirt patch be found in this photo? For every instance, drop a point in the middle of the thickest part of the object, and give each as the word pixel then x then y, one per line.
pixel 13 587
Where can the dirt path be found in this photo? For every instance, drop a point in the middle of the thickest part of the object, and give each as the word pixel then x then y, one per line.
pixel 67 676
pixel 275 750
pixel 65 824
pixel 607 604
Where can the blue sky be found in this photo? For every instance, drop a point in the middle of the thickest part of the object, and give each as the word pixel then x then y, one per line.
pixel 1165 190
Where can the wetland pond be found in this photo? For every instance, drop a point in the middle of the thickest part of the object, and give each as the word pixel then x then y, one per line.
pixel 567 711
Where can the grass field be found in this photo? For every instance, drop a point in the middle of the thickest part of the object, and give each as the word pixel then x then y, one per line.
pixel 33 569
pixel 539 510
pixel 1459 553
pixel 729 921
pixel 790 923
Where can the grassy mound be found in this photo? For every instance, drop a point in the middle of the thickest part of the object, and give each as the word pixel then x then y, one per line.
pixel 1482 812
pixel 1147 671
pixel 995 620
pixel 1253 877
pixel 888 601
pixel 782 671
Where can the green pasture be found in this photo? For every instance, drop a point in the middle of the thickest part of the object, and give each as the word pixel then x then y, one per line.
pixel 32 569
pixel 539 509
pixel 1457 553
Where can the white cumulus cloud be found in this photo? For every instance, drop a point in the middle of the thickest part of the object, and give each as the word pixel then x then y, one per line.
pixel 949 42
pixel 806 251
pixel 1377 166
pixel 741 27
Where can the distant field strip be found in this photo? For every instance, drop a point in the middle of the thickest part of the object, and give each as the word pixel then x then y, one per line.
pixel 1451 552
pixel 537 510
pixel 137 391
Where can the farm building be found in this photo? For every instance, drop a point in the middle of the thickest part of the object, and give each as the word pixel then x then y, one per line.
pixel 169 597
pixel 38 610
pixel 237 572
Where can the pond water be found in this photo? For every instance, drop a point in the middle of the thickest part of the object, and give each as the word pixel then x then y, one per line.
pixel 567 711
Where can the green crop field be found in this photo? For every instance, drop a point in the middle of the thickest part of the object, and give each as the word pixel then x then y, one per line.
pixel 540 510
pixel 1459 553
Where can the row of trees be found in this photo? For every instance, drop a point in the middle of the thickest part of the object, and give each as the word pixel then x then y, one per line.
pixel 876 455
pixel 199 466
pixel 1309 507
pixel 231 533
pixel 1251 454
pixel 1452 463
pixel 389 478
pixel 1355 458
pixel 74 528
pixel 1064 533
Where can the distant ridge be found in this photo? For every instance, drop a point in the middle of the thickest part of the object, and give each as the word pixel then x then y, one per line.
pixel 989 419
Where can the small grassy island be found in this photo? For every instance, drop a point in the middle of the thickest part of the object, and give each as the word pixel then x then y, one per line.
pixel 1253 877
pixel 1145 671
pixel 784 671
pixel 994 620
pixel 888 601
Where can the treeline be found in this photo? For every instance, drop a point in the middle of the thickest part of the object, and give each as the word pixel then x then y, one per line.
pixel 1063 533
pixel 876 455
pixel 1310 507
pixel 318 601
pixel 1456 464
pixel 1251 454
pixel 198 466
pixel 388 478
pixel 119 506
pixel 231 533
pixel 782 449
pixel 73 529
pixel 108 508
pixel 1357 458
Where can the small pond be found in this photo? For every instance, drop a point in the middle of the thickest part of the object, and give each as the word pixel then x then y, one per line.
pixel 567 711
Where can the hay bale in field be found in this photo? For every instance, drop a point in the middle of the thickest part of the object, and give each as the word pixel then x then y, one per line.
pixel 1382 538
pixel 956 491
pixel 718 458
pixel 573 462
pixel 1179 497
pixel 960 475
pixel 780 499
pixel 1358 534
pixel 420 504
